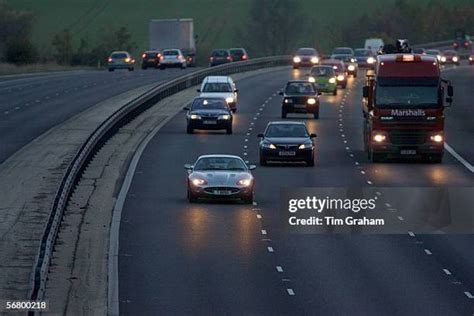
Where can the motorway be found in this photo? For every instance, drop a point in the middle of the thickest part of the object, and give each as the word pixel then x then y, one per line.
pixel 223 259
pixel 208 258
pixel 31 105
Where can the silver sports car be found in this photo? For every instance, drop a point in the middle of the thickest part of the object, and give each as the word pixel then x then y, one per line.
pixel 220 177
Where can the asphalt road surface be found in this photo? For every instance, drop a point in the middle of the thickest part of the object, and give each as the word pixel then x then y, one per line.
pixel 223 259
pixel 31 105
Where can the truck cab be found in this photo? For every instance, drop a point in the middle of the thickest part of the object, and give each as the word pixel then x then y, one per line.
pixel 403 108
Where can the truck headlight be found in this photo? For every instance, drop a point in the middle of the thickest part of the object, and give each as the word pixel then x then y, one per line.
pixel 315 60
pixel 351 68
pixel 379 137
pixel 311 101
pixel 296 59
pixel 229 99
pixel 332 80
pixel 437 138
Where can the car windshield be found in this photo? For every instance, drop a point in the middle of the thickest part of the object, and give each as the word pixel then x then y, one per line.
pixel 170 53
pixel 343 50
pixel 362 52
pixel 399 94
pixel 151 55
pixel 217 87
pixel 237 52
pixel 342 57
pixel 209 104
pixel 322 72
pixel 449 53
pixel 220 53
pixel 286 130
pixel 306 52
pixel 220 163
pixel 119 55
pixel 299 88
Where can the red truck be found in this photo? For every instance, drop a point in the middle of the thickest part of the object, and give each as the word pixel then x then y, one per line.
pixel 403 107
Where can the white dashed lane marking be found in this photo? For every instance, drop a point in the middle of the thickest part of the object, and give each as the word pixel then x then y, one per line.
pixel 290 292
pixel 469 295
pixel 270 249
pixel 428 252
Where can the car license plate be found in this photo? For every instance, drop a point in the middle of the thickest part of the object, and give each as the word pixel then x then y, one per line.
pixel 322 85
pixel 408 152
pixel 287 153
pixel 151 59
pixel 300 106
pixel 222 192
pixel 210 122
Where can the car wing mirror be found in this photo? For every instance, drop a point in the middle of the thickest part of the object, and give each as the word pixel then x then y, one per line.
pixel 188 166
pixel 280 92
pixel 319 93
pixel 252 167
pixel 260 135
pixel 198 90
pixel 313 135
pixel 186 108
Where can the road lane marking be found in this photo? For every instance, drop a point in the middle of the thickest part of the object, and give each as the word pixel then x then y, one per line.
pixel 369 182
pixel 400 218
pixel 411 234
pixel 279 268
pixel 362 171
pixel 264 232
pixel 428 252
pixel 290 292
pixel 459 158
pixel 270 249
pixel 388 205
pixel 447 271
pixel 469 295
pixel 259 216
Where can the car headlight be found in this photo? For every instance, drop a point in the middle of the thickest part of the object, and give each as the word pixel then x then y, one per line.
pixel 229 99
pixel 470 58
pixel 332 80
pixel 437 138
pixel 268 145
pixel 296 59
pixel 351 68
pixel 455 59
pixel 127 60
pixel 443 59
pixel 198 181
pixel 311 101
pixel 353 60
pixel 195 117
pixel 379 137
pixel 224 117
pixel 311 79
pixel 288 101
pixel 315 60
pixel 244 182
pixel 340 77
pixel 370 60
pixel 305 146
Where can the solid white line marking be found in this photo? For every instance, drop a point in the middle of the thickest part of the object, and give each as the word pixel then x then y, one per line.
pixel 469 295
pixel 387 205
pixel 290 292
pixel 447 271
pixel 412 234
pixel 264 232
pixel 429 253
pixel 400 218
pixel 270 249
pixel 459 158
pixel 279 268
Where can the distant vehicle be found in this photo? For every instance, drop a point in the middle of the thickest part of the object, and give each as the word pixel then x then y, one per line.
pixel 343 51
pixel 174 33
pixel 172 58
pixel 286 141
pixel 420 51
pixel 375 45
pixel 221 87
pixel 300 97
pixel 151 59
pixel 340 70
pixel 434 52
pixel 364 57
pixel 220 177
pixel 471 58
pixel 450 57
pixel 324 78
pixel 305 57
pixel 209 114
pixel 350 63
pixel 120 60
pixel 219 57
pixel 462 40
pixel 238 54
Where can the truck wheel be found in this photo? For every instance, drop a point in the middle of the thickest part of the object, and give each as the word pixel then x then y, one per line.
pixel 189 130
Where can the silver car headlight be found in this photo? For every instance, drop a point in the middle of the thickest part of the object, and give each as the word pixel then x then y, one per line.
pixel 194 117
pixel 244 182
pixel 305 146
pixel 296 59
pixel 224 117
pixel 229 99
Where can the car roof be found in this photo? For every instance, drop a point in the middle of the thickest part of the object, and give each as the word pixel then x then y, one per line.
pixel 209 98
pixel 151 51
pixel 297 81
pixel 362 49
pixel 235 48
pixel 331 61
pixel 219 155
pixel 120 52
pixel 221 79
pixel 322 66
pixel 286 122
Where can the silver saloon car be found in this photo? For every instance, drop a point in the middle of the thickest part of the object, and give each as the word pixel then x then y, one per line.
pixel 220 177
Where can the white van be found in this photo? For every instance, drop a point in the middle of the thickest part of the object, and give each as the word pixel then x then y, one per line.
pixel 374 44
pixel 220 86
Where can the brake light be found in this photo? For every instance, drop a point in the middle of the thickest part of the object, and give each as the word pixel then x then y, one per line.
pixel 162 57
pixel 229 58
pixel 466 44
pixel 211 58
pixel 408 57
pixel 143 55
pixel 158 55
pixel 244 57
pixel 455 45
pixel 110 59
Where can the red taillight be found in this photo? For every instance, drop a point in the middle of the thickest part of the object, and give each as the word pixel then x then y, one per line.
pixel 455 44
pixel 158 55
pixel 244 57
pixel 110 59
pixel 211 58
pixel 466 44
pixel 143 55
pixel 162 57
pixel 190 58
pixel 229 58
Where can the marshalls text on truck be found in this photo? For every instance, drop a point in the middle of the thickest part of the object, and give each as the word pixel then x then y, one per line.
pixel 403 108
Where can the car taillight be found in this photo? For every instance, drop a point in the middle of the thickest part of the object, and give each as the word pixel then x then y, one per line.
pixel 466 44
pixel 229 58
pixel 158 55
pixel 143 56
pixel 455 44
pixel 162 57
pixel 244 57
pixel 110 59
pixel 211 58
